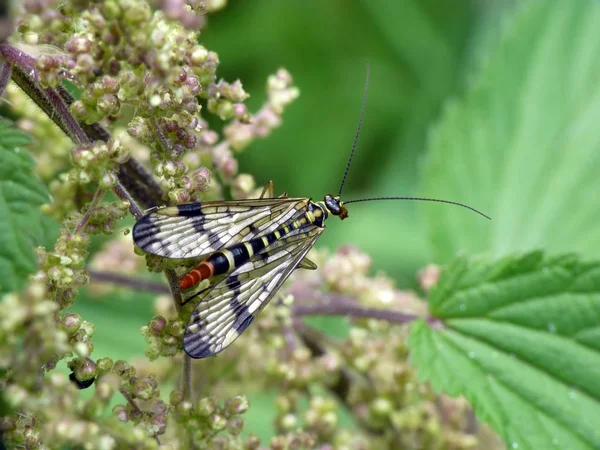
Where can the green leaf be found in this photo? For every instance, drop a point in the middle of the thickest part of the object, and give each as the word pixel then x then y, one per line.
pixel 520 338
pixel 428 38
pixel 523 145
pixel 22 224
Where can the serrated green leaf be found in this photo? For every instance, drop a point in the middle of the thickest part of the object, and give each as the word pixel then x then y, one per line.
pixel 523 145
pixel 522 344
pixel 22 224
pixel 12 137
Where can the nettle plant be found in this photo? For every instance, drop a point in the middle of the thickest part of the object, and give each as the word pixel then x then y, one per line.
pixel 121 89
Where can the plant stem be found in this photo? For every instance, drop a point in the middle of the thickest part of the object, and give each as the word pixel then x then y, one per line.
pixel 86 217
pixel 128 281
pixel 124 194
pixel 351 309
pixel 26 75
pixel 173 280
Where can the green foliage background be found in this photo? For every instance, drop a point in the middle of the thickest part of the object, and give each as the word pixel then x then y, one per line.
pixel 490 103
pixel 422 53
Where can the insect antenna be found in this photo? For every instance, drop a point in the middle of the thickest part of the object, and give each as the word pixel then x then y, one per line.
pixel 421 199
pixel 360 121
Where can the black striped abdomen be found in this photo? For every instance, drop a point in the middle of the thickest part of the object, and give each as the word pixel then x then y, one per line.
pixel 226 260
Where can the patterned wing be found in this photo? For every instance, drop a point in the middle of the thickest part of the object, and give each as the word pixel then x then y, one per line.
pixel 228 307
pixel 197 229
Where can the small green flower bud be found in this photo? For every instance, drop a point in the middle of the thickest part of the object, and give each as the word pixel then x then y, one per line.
pixel 278 443
pixel 175 329
pixel 86 370
pixel 157 325
pixel 176 397
pixel 104 365
pixel 143 389
pixel 153 351
pixel 81 349
pixel 289 422
pixel 198 55
pixel 223 108
pixel 46 63
pixel 235 425
pixel 123 369
pixel 121 412
pixel 170 340
pixel 217 422
pixel 382 407
pixel 206 406
pixel 237 405
pixel 330 420
pixel 252 442
pixel 87 328
pixel 110 85
pixel 108 180
pixel 70 323
pixel 184 408
pixel 179 196
pixel 201 179
pixel 78 44
pixel 159 423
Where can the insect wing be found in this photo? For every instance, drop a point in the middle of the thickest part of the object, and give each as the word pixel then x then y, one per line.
pixel 226 309
pixel 198 229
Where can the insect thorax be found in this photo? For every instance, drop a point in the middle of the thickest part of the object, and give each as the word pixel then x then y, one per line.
pixel 317 213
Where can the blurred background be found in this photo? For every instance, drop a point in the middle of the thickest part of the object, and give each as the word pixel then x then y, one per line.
pixel 421 53
pixel 492 103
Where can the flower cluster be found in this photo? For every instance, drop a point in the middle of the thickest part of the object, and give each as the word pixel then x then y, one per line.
pixel 63 268
pixel 139 64
pixel 163 337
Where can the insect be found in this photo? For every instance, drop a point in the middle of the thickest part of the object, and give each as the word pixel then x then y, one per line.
pixel 246 248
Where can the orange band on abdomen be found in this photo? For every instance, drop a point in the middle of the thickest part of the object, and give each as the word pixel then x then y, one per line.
pixel 196 275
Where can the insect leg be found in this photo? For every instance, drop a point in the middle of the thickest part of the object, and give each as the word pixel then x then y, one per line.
pixel 268 190
pixel 307 264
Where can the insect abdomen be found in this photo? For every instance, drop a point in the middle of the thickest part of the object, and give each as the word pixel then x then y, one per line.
pixel 225 261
